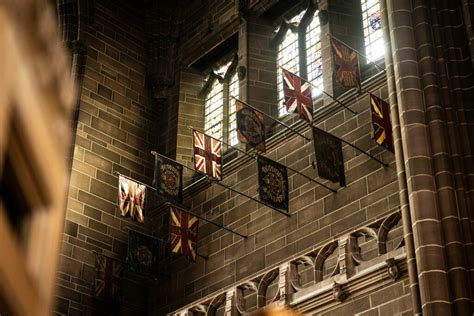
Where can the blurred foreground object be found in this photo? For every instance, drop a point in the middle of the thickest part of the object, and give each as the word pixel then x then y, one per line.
pixel 36 99
pixel 276 311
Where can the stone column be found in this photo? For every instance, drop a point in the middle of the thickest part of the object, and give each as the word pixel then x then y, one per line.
pixel 436 110
pixel 401 172
pixel 417 156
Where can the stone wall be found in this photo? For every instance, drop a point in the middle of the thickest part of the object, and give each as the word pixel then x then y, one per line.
pixel 317 215
pixel 115 133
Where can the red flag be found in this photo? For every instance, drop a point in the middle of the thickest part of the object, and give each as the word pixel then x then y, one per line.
pixel 346 65
pixel 207 155
pixel 381 124
pixel 298 96
pixel 183 231
pixel 131 199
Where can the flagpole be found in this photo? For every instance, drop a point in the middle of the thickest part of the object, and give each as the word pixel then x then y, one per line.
pixel 359 149
pixel 359 53
pixel 324 92
pixel 227 144
pixel 129 178
pixel 255 157
pixel 225 186
pixel 206 220
pixel 247 196
pixel 273 119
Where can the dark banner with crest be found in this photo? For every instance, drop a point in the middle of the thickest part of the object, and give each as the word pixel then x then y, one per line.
pixel 273 183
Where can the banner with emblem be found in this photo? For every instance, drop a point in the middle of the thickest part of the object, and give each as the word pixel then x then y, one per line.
pixel 168 179
pixel 381 125
pixel 298 97
pixel 250 126
pixel 273 183
pixel 207 155
pixel 183 233
pixel 329 159
pixel 143 254
pixel 131 199
pixel 346 65
pixel 108 280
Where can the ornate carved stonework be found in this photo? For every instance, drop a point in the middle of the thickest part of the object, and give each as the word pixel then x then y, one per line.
pixel 340 267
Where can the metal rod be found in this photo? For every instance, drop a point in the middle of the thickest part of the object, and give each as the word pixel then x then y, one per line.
pixel 113 258
pixel 209 221
pixel 248 197
pixel 129 178
pixel 311 179
pixel 227 187
pixel 273 119
pixel 190 212
pixel 295 171
pixel 359 53
pixel 324 92
pixel 227 144
pixel 361 150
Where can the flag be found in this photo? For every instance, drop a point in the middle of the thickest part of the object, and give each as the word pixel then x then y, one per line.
pixel 346 65
pixel 273 183
pixel 329 159
pixel 250 126
pixel 169 179
pixel 207 155
pixel 143 253
pixel 108 281
pixel 131 199
pixel 183 233
pixel 382 128
pixel 298 98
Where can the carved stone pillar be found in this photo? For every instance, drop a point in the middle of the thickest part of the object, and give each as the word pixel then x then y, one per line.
pixel 231 300
pixel 284 284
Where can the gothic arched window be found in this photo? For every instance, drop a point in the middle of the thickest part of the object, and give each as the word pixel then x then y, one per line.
pixel 299 51
pixel 219 106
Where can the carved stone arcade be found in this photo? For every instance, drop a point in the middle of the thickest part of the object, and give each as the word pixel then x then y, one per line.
pixel 350 273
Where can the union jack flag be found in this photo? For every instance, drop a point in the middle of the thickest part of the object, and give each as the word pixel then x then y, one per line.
pixel 297 96
pixel 108 281
pixel 131 199
pixel 207 155
pixel 381 125
pixel 183 231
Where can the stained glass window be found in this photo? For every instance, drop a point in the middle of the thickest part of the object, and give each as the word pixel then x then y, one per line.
pixel 313 56
pixel 374 45
pixel 288 57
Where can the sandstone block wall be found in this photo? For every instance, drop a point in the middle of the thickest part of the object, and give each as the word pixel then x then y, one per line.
pixel 116 131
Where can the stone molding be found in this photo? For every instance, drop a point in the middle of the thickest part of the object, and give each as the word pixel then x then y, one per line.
pixel 352 275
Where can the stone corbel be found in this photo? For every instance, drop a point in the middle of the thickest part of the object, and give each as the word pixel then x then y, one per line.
pixel 392 268
pixel 338 292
